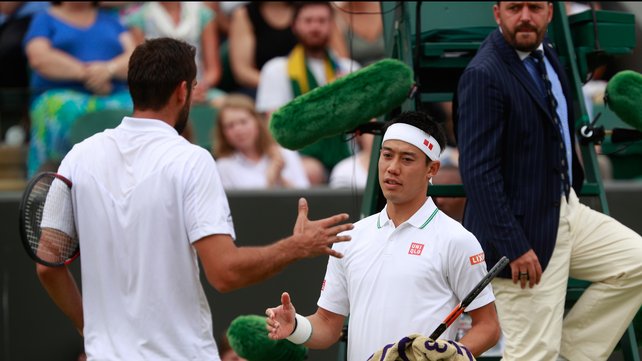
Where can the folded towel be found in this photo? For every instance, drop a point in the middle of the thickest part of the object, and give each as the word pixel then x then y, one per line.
pixel 421 348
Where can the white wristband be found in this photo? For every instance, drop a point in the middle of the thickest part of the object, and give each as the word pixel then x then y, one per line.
pixel 302 331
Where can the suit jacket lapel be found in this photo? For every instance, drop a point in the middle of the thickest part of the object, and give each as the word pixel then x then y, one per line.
pixel 518 70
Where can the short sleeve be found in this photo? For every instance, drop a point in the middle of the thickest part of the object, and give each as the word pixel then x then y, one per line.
pixel 40 26
pixel 205 16
pixel 206 209
pixel 136 19
pixel 274 88
pixel 294 171
pixel 466 268
pixel 334 290
pixel 112 17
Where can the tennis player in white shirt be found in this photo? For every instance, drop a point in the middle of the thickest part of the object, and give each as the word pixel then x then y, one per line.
pixel 406 267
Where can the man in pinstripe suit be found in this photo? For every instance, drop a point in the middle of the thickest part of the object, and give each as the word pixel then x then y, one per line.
pixel 521 174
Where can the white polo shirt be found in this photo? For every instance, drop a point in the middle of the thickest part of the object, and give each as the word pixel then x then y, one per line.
pixel 393 282
pixel 142 195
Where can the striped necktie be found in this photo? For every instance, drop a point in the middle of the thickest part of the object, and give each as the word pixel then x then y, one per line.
pixel 538 58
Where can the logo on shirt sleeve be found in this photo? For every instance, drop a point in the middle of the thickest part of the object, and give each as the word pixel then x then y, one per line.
pixel 478 258
pixel 323 286
pixel 416 249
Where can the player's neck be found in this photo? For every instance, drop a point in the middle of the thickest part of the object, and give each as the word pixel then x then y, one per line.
pixel 164 116
pixel 400 212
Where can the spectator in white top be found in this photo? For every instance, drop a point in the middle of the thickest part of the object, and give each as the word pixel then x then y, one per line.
pixel 246 154
pixel 352 172
pixel 148 205
pixel 310 64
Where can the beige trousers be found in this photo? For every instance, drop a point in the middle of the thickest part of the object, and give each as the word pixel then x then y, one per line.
pixel 590 246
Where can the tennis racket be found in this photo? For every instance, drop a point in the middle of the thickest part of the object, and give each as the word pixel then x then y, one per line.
pixel 455 313
pixel 47 226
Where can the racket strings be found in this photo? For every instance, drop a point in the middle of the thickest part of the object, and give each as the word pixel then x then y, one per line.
pixel 49 223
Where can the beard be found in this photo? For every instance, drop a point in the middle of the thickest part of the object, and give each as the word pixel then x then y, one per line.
pixel 314 43
pixel 524 44
pixel 182 117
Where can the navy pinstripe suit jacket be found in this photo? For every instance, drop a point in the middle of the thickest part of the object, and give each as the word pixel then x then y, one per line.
pixel 510 157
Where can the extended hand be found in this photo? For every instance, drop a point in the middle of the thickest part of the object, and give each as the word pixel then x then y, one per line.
pixel 315 238
pixel 280 320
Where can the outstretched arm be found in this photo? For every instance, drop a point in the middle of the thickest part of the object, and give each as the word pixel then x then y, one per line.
pixel 325 325
pixel 228 267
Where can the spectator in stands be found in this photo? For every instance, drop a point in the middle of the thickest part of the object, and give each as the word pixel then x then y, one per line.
pixel 224 10
pixel 79 57
pixel 15 17
pixel 362 28
pixel 310 64
pixel 352 172
pixel 259 32
pixel 192 22
pixel 246 154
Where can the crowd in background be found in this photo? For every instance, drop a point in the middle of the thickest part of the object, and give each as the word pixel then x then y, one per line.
pixel 70 59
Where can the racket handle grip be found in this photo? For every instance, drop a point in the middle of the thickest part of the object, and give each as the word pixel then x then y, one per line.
pixel 438 331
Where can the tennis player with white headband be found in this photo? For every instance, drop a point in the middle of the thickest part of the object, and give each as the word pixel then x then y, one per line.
pixel 406 266
pixel 415 136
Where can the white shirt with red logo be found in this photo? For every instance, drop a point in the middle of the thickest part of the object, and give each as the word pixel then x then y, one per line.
pixel 393 282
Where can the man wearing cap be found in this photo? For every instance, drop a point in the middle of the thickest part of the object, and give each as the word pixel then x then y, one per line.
pixel 406 267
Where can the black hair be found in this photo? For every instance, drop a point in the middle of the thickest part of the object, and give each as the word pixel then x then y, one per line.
pixel 298 5
pixel 156 68
pixel 422 121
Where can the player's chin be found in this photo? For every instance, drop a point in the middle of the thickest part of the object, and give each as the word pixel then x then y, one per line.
pixel 392 193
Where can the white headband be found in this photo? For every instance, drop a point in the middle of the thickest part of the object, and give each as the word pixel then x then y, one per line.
pixel 415 136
